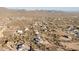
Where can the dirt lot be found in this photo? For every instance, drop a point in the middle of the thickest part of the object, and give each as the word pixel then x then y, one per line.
pixel 38 31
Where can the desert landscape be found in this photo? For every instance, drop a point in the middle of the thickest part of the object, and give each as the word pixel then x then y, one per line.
pixel 38 30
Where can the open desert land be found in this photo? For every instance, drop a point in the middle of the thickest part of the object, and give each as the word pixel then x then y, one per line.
pixel 36 30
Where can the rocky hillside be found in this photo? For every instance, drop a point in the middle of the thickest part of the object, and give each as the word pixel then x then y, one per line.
pixel 38 31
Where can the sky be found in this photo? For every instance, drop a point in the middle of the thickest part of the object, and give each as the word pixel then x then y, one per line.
pixel 68 9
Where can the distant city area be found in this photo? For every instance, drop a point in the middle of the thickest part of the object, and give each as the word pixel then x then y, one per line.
pixel 65 9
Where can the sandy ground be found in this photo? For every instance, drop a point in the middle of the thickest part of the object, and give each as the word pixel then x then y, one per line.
pixel 38 31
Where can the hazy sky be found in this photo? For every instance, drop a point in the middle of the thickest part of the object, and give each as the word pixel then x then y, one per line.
pixel 70 9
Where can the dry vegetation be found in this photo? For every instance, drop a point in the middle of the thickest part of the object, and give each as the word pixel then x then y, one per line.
pixel 38 31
